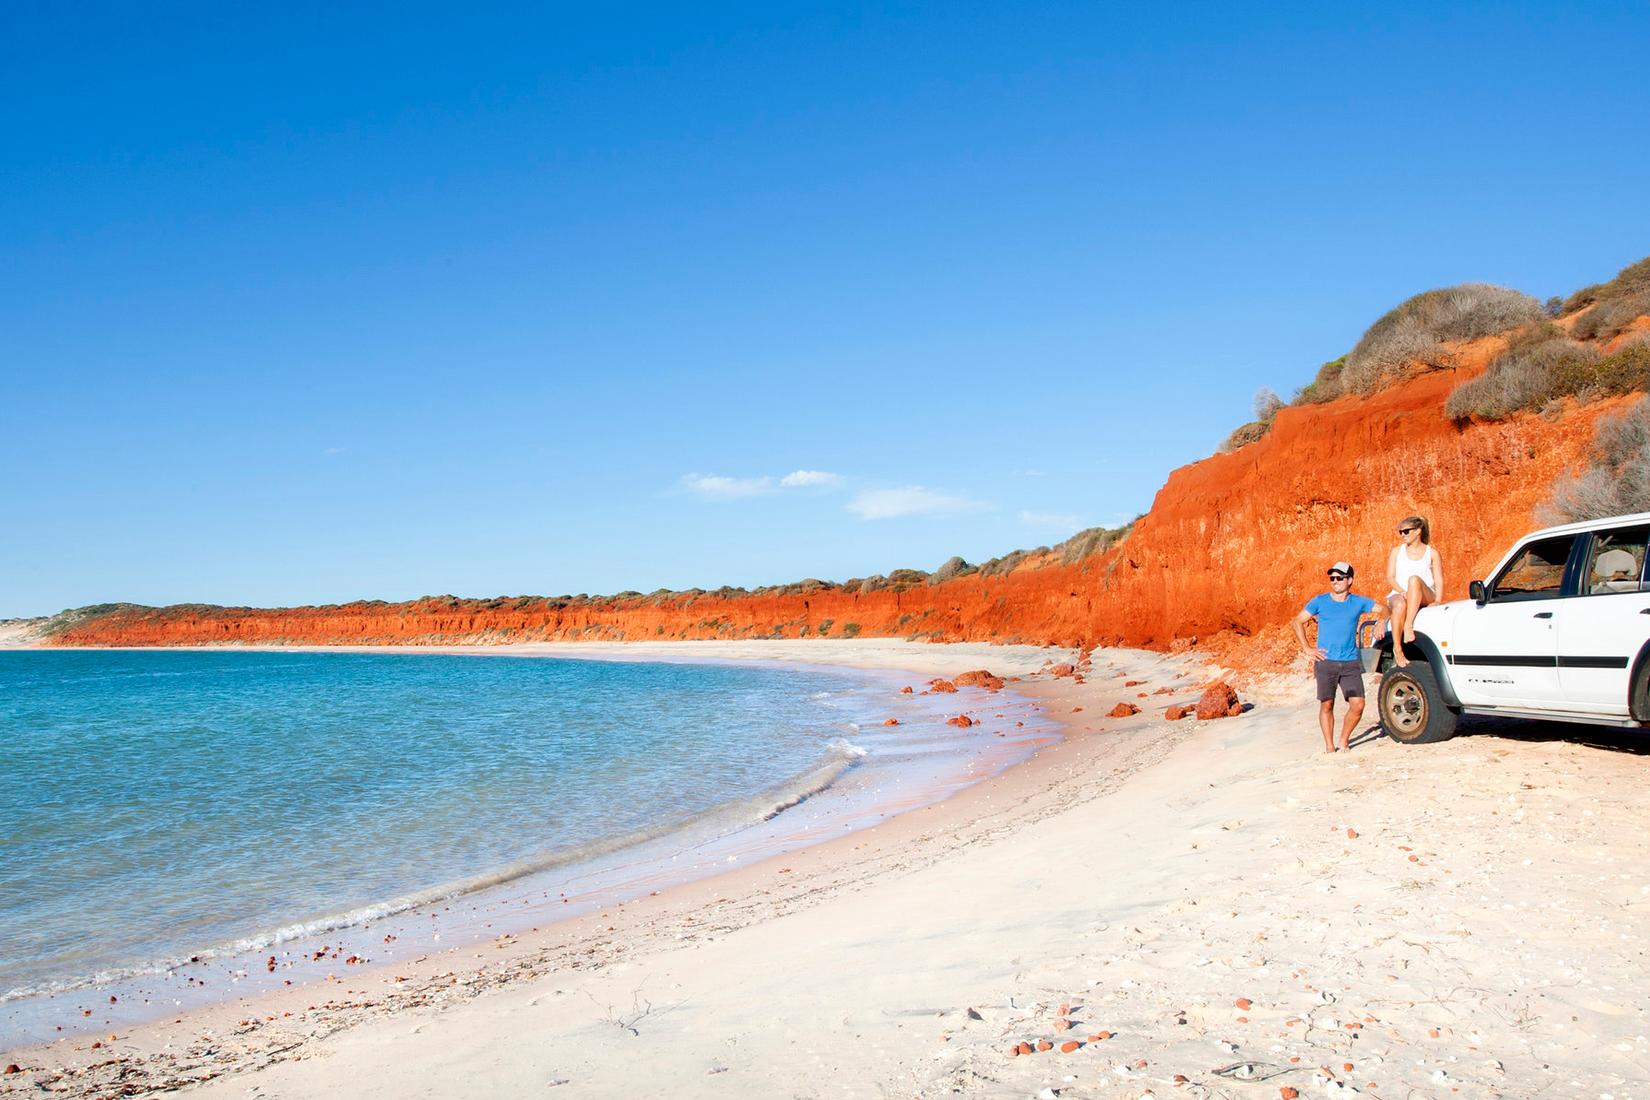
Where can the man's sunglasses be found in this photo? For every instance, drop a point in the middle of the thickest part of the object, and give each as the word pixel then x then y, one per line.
pixel 1339 577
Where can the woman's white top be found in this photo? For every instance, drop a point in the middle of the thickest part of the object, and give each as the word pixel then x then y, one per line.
pixel 1408 567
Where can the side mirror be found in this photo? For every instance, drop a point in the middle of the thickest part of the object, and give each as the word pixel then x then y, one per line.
pixel 1476 591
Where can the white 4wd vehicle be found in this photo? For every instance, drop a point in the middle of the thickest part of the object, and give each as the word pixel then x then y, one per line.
pixel 1560 631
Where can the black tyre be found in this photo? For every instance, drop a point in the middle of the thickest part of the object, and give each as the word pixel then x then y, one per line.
pixel 1412 708
pixel 1638 699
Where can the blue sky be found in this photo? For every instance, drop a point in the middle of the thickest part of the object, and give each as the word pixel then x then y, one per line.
pixel 303 305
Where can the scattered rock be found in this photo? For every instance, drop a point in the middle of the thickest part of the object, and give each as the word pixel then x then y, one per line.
pixel 1044 1044
pixel 980 678
pixel 1122 710
pixel 1132 683
pixel 1062 1025
pixel 13 1067
pixel 1176 713
pixel 905 690
pixel 1062 670
pixel 1243 1003
pixel 943 687
pixel 1217 701
pixel 1164 691
pixel 1288 1092
pixel 1352 834
pixel 1069 1045
pixel 961 721
pixel 890 721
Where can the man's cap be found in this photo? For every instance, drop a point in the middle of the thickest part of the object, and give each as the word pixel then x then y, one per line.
pixel 1341 567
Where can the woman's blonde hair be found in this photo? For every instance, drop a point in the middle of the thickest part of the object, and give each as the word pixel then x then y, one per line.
pixel 1418 521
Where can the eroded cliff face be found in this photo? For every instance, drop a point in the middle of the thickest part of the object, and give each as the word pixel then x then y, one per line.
pixel 1231 548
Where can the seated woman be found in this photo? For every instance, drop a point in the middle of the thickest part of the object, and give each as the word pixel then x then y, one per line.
pixel 1415 574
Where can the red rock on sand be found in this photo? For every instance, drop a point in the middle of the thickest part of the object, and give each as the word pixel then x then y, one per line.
pixel 1044 1044
pixel 1122 710
pixel 1024 1048
pixel 1352 834
pixel 1070 1045
pixel 980 678
pixel 1062 1025
pixel 1062 670
pixel 890 721
pixel 1164 691
pixel 944 687
pixel 1132 683
pixel 961 721
pixel 1288 1092
pixel 1243 1003
pixel 1217 701
pixel 13 1067
pixel 1176 713
pixel 905 690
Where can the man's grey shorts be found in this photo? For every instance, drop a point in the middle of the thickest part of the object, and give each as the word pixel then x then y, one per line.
pixel 1348 674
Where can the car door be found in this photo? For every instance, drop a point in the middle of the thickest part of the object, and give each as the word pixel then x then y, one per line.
pixel 1601 627
pixel 1504 652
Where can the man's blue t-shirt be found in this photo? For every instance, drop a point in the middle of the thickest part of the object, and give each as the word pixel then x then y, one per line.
pixel 1338 624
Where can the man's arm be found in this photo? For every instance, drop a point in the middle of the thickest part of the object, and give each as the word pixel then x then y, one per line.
pixel 1315 652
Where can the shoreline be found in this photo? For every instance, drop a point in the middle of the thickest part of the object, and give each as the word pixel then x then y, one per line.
pixel 881 659
pixel 826 799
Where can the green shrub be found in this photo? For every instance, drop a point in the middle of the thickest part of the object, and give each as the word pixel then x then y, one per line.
pixel 850 630
pixel 1092 541
pixel 1326 386
pixel 953 567
pixel 1544 366
pixel 1617 479
pixel 1607 319
pixel 1415 330
pixel 1631 280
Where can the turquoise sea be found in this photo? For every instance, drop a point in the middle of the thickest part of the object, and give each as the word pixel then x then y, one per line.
pixel 163 806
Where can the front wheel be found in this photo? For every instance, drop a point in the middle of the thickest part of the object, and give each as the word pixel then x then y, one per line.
pixel 1412 708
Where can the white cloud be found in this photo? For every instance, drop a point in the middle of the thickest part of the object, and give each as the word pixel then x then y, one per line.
pixel 713 487
pixel 1051 519
pixel 331 452
pixel 911 501
pixel 809 479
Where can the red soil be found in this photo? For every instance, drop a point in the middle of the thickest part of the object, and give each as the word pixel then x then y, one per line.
pixel 1231 548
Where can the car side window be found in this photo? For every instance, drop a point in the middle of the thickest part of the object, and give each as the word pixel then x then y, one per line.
pixel 1537 573
pixel 1615 563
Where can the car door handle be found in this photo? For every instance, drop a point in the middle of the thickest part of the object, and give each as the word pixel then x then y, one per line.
pixel 1543 614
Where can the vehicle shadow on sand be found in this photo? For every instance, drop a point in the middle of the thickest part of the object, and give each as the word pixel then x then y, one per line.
pixel 1610 739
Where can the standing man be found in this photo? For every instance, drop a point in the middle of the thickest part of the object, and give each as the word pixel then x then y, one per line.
pixel 1336 654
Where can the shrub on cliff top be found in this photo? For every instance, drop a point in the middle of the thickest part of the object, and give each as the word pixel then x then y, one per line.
pixel 1632 280
pixel 1092 541
pixel 1543 365
pixel 1416 329
pixel 953 567
pixel 1614 304
pixel 1267 405
pixel 1326 386
pixel 1617 479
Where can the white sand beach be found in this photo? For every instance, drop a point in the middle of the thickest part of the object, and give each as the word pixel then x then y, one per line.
pixel 1213 909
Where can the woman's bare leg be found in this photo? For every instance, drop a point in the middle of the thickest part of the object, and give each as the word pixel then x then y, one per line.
pixel 1419 596
pixel 1395 628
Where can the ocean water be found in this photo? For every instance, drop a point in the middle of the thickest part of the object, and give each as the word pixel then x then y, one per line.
pixel 158 806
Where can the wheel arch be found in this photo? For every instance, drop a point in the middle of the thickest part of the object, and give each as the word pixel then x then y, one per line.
pixel 1638 702
pixel 1440 667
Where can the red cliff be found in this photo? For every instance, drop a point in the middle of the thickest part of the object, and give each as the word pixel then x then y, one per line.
pixel 1230 549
